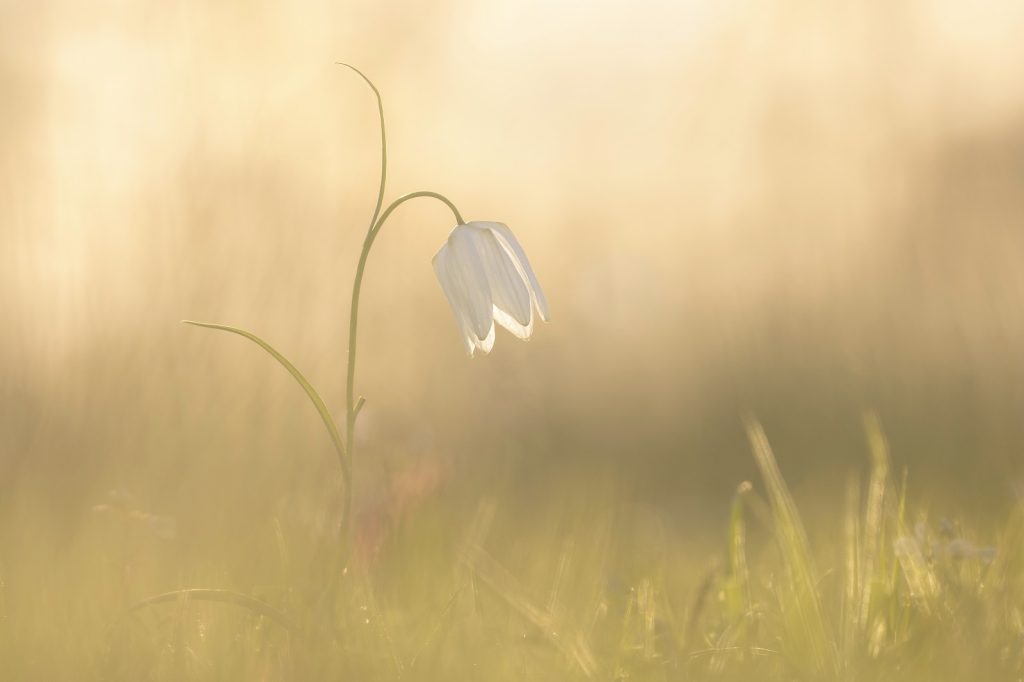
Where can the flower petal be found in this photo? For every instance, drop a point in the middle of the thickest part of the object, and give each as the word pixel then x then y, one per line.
pixel 509 291
pixel 467 272
pixel 511 244
pixel 454 295
pixel 487 343
pixel 520 331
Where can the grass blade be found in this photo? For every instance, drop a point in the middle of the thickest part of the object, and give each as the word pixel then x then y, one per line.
pixel 805 622
pixel 222 596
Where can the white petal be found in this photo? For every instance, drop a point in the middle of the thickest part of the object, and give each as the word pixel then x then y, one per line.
pixel 509 291
pixel 455 299
pixel 467 271
pixel 521 331
pixel 508 240
pixel 487 343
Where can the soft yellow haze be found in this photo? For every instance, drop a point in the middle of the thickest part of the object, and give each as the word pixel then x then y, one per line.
pixel 795 208
pixel 792 210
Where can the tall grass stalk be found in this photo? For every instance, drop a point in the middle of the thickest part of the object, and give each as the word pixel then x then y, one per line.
pixel 808 634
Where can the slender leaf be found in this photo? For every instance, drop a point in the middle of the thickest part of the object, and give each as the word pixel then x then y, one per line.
pixel 318 402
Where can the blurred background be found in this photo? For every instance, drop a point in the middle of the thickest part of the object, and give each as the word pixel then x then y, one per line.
pixel 791 209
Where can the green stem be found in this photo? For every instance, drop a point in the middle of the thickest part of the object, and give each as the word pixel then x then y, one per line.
pixel 376 222
pixel 383 142
pixel 371 236
pixel 350 409
pixel 352 406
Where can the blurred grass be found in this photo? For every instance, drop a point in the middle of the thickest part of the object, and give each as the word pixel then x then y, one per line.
pixel 481 590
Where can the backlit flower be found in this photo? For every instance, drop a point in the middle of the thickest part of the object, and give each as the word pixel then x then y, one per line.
pixel 487 278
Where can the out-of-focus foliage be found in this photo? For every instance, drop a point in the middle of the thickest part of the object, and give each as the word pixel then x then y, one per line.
pixel 780 208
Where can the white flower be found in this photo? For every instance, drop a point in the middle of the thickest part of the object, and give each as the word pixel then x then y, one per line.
pixel 487 278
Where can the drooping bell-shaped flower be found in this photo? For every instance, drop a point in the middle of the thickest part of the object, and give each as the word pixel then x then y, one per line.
pixel 487 278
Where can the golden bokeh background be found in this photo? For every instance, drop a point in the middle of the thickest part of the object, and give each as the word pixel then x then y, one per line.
pixel 793 209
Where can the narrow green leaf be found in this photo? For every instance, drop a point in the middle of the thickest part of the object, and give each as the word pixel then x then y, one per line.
pixel 318 402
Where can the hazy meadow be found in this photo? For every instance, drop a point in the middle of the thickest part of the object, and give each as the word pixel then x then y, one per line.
pixel 777 215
